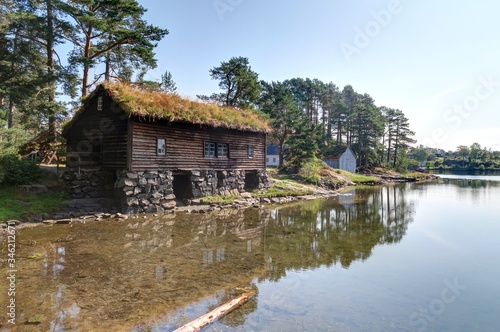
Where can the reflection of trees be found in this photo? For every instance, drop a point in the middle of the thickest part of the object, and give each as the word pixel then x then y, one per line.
pixel 323 232
pixel 473 189
pixel 119 274
pixel 470 183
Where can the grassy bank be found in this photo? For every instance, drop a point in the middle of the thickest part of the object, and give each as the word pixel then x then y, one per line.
pixel 356 178
pixel 281 189
pixel 15 204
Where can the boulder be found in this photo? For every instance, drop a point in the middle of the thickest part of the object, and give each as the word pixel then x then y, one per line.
pixel 169 196
pixel 132 175
pixel 132 201
pixel 168 204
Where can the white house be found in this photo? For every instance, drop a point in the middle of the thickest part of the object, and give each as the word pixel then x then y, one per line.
pixel 342 158
pixel 272 156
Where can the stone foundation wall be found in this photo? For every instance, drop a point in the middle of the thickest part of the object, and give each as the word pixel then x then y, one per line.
pixel 153 191
pixel 225 183
pixel 208 183
pixel 150 191
pixel 85 184
pixel 264 181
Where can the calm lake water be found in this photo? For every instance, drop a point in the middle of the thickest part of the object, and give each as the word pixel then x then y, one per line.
pixel 412 257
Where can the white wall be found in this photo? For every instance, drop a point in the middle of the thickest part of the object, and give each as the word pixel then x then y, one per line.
pixel 348 161
pixel 272 160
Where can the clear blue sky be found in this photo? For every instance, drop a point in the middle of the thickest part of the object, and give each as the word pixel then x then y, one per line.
pixel 437 61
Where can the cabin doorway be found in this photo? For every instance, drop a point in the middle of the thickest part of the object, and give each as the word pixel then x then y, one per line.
pixel 182 186
pixel 109 183
pixel 251 180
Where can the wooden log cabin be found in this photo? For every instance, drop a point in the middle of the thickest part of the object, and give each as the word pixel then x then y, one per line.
pixel 135 137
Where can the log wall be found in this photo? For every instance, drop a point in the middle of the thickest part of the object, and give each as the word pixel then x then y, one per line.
pixel 185 147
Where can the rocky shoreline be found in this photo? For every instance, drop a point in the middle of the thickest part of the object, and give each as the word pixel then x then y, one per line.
pixel 98 209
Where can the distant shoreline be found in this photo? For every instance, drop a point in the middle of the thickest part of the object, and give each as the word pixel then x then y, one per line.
pixel 436 170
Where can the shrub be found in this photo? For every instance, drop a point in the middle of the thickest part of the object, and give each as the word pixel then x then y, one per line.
pixel 15 171
pixel 310 169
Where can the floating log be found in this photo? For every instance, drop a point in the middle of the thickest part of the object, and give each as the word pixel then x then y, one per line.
pixel 398 178
pixel 219 312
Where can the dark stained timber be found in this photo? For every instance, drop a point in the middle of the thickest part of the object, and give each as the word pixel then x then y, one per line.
pixel 111 140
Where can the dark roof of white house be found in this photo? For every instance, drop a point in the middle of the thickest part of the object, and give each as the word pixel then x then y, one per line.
pixel 336 152
pixel 272 149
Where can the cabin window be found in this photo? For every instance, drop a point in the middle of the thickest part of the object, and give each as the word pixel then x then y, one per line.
pixel 161 147
pixel 209 150
pixel 222 150
pixel 250 151
pixel 99 103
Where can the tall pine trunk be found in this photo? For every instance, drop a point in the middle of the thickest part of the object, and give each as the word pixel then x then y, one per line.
pixel 86 65
pixel 107 72
pixel 10 117
pixel 12 106
pixel 50 70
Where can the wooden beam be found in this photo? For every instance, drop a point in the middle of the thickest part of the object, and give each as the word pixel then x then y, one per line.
pixel 219 312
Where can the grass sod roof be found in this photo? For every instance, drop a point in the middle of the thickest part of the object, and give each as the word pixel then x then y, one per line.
pixel 174 108
pixel 335 152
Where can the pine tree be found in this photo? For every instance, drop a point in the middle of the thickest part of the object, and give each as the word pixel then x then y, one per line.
pixel 109 30
pixel 277 101
pixel 240 84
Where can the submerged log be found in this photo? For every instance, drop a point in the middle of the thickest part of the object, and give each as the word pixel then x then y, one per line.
pixel 219 312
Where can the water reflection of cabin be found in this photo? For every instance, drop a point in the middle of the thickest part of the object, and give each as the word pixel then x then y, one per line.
pixel 124 128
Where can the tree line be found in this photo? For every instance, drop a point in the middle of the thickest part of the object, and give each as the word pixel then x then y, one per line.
pixel 309 117
pixel 108 34
pixel 463 158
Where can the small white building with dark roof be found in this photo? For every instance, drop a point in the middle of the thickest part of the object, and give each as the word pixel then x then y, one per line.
pixel 272 156
pixel 341 158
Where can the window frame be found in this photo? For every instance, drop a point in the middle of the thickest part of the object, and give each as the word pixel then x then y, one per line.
pixel 100 102
pixel 214 145
pixel 225 154
pixel 251 151
pixel 158 153
pixel 216 150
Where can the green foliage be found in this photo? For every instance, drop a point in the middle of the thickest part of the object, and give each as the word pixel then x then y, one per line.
pixel 220 199
pixel 281 190
pixel 420 153
pixel 12 139
pixel 310 169
pixel 358 178
pixel 277 101
pixel 309 116
pixel 398 137
pixel 467 158
pixel 15 204
pixel 162 105
pixel 167 82
pixel 302 146
pixel 14 171
pixel 28 72
pixel 240 84
pixel 120 37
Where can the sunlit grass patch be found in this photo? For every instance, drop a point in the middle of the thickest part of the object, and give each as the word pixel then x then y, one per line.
pixel 281 190
pixel 220 199
pixel 17 205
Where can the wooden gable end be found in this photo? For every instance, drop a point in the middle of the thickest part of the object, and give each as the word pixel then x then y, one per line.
pixel 97 137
